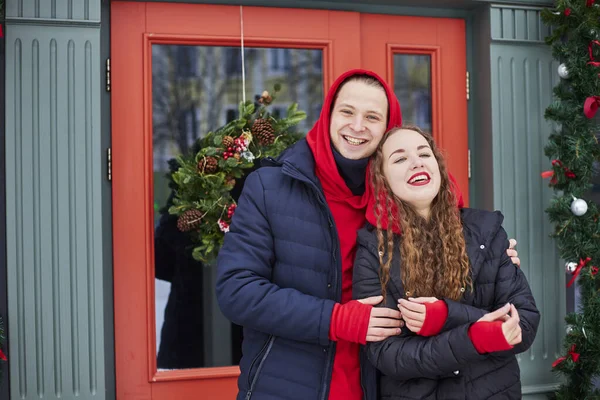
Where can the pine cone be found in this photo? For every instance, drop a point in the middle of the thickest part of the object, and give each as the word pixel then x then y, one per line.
pixel 263 131
pixel 230 181
pixel 228 142
pixel 189 220
pixel 208 165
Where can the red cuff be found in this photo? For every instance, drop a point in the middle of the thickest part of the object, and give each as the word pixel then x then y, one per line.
pixel 436 314
pixel 487 337
pixel 350 322
pixel 333 325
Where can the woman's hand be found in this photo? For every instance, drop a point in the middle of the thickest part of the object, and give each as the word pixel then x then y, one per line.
pixel 500 314
pixel 511 327
pixel 414 312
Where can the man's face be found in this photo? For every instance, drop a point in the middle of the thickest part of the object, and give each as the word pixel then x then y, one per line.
pixel 358 120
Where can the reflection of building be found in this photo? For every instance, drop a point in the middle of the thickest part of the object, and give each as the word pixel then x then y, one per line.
pixel 190 87
pixel 412 84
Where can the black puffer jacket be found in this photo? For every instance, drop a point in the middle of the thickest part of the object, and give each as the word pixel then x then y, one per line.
pixel 447 366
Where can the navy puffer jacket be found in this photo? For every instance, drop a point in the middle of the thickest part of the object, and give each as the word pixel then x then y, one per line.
pixel 447 366
pixel 279 276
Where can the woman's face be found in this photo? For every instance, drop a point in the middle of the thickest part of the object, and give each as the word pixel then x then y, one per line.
pixel 411 169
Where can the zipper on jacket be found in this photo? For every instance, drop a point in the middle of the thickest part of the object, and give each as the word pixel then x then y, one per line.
pixel 260 353
pixel 292 171
pixel 268 345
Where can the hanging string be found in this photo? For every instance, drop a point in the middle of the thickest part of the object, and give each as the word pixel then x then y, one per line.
pixel 242 50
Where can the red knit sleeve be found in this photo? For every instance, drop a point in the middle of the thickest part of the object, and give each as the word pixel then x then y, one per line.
pixel 436 314
pixel 350 322
pixel 334 323
pixel 487 337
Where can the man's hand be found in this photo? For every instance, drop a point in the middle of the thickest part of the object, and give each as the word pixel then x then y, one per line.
pixel 413 311
pixel 384 322
pixel 512 253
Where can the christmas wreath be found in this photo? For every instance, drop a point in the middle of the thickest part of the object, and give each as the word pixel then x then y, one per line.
pixel 202 181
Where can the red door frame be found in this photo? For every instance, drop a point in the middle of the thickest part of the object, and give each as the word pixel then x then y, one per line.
pixel 348 40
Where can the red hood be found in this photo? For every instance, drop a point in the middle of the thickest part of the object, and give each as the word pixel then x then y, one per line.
pixel 319 141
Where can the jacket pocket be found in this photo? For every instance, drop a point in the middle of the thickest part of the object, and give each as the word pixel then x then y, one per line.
pixel 259 361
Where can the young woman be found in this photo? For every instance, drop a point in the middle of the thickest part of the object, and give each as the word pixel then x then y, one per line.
pixel 467 308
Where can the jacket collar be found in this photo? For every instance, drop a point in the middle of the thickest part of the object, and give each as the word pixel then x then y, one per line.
pixel 298 162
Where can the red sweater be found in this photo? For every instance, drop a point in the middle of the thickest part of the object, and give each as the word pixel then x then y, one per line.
pixel 349 320
pixel 349 325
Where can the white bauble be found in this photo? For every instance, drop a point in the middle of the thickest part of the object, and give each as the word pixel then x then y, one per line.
pixel 563 72
pixel 579 207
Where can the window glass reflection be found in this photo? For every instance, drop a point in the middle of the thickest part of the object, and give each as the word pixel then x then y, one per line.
pixel 196 89
pixel 412 85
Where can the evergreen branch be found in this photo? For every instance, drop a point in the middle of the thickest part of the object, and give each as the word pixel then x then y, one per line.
pixel 575 28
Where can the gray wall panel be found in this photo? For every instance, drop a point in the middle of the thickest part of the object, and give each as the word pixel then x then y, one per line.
pixel 54 220
pixel 82 10
pixel 523 73
pixel 517 24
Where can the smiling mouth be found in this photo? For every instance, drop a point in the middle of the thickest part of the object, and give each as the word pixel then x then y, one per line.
pixel 419 179
pixel 354 141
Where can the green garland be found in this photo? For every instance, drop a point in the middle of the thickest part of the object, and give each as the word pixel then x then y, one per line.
pixel 573 148
pixel 203 181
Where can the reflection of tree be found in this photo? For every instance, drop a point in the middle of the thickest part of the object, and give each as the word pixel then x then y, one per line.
pixel 182 78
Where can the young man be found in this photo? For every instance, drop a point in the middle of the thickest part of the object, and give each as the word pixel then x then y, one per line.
pixel 285 269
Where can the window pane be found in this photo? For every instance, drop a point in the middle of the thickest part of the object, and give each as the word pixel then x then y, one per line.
pixel 412 85
pixel 196 89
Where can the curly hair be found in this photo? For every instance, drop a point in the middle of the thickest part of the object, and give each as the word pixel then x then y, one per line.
pixel 433 251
